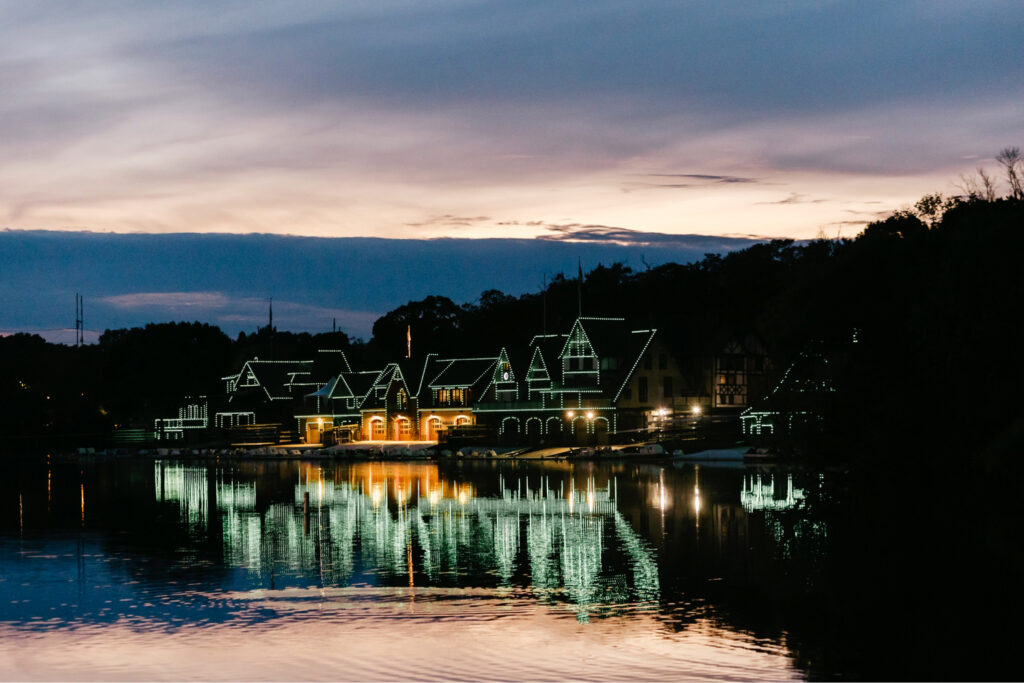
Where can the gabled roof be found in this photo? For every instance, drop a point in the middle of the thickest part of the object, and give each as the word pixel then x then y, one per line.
pixel 607 336
pixel 355 384
pixel 273 375
pixel 330 363
pixel 537 363
pixel 390 374
pixel 429 362
pixel 636 345
pixel 326 390
pixel 550 348
pixel 809 381
pixel 462 372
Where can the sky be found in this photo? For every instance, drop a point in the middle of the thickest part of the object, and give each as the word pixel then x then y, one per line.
pixel 315 282
pixel 495 119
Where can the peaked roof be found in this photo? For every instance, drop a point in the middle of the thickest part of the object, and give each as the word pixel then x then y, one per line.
pixel 635 346
pixel 461 372
pixel 273 375
pixel 549 346
pixel 330 363
pixel 359 383
pixel 608 336
pixel 391 373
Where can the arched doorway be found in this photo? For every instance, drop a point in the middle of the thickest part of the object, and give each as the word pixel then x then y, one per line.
pixel 375 429
pixel 601 430
pixel 403 429
pixel 553 429
pixel 534 429
pixel 580 433
pixel 432 427
pixel 509 431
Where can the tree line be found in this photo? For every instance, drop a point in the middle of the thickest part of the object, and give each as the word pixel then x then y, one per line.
pixel 934 292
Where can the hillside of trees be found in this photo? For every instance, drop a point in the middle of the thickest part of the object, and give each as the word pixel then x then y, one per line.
pixel 934 292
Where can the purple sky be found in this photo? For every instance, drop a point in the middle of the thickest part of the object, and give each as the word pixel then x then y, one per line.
pixel 585 122
pixel 497 119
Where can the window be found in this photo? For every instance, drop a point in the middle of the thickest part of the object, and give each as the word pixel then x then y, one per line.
pixel 662 361
pixel 400 399
pixel 642 390
pixel 647 362
pixel 574 363
pixel 667 388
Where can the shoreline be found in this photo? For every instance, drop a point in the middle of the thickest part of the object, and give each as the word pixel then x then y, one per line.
pixel 735 454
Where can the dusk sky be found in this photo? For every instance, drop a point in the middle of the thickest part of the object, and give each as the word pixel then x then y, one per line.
pixel 479 119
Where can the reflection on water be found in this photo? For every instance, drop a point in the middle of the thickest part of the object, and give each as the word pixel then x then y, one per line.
pixel 601 571
pixel 407 522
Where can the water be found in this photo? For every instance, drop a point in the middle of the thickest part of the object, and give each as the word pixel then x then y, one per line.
pixel 142 569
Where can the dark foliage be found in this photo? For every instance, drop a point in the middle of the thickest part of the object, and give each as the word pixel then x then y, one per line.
pixel 935 296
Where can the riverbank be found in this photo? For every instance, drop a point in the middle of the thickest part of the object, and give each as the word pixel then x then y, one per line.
pixel 420 451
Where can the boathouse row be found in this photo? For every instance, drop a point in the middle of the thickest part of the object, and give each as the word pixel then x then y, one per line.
pixel 600 379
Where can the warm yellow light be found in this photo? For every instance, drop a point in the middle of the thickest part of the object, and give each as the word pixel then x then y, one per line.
pixel 435 497
pixel 570 414
pixel 590 414
pixel 695 410
pixel 376 494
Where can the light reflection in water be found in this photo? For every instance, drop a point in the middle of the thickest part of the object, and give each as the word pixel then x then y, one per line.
pixel 350 558
pixel 378 520
pixel 760 493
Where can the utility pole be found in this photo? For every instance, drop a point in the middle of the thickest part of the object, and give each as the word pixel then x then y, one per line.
pixel 79 319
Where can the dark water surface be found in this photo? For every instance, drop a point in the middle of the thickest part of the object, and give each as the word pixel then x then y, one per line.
pixel 459 570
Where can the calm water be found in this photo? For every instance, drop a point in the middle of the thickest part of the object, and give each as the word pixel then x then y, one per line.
pixel 174 570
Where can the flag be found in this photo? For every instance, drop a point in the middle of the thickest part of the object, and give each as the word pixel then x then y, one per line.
pixel 408 341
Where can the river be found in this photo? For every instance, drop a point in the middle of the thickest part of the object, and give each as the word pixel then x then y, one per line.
pixel 459 570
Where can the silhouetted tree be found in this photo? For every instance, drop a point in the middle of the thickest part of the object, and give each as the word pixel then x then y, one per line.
pixel 433 323
pixel 1012 161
